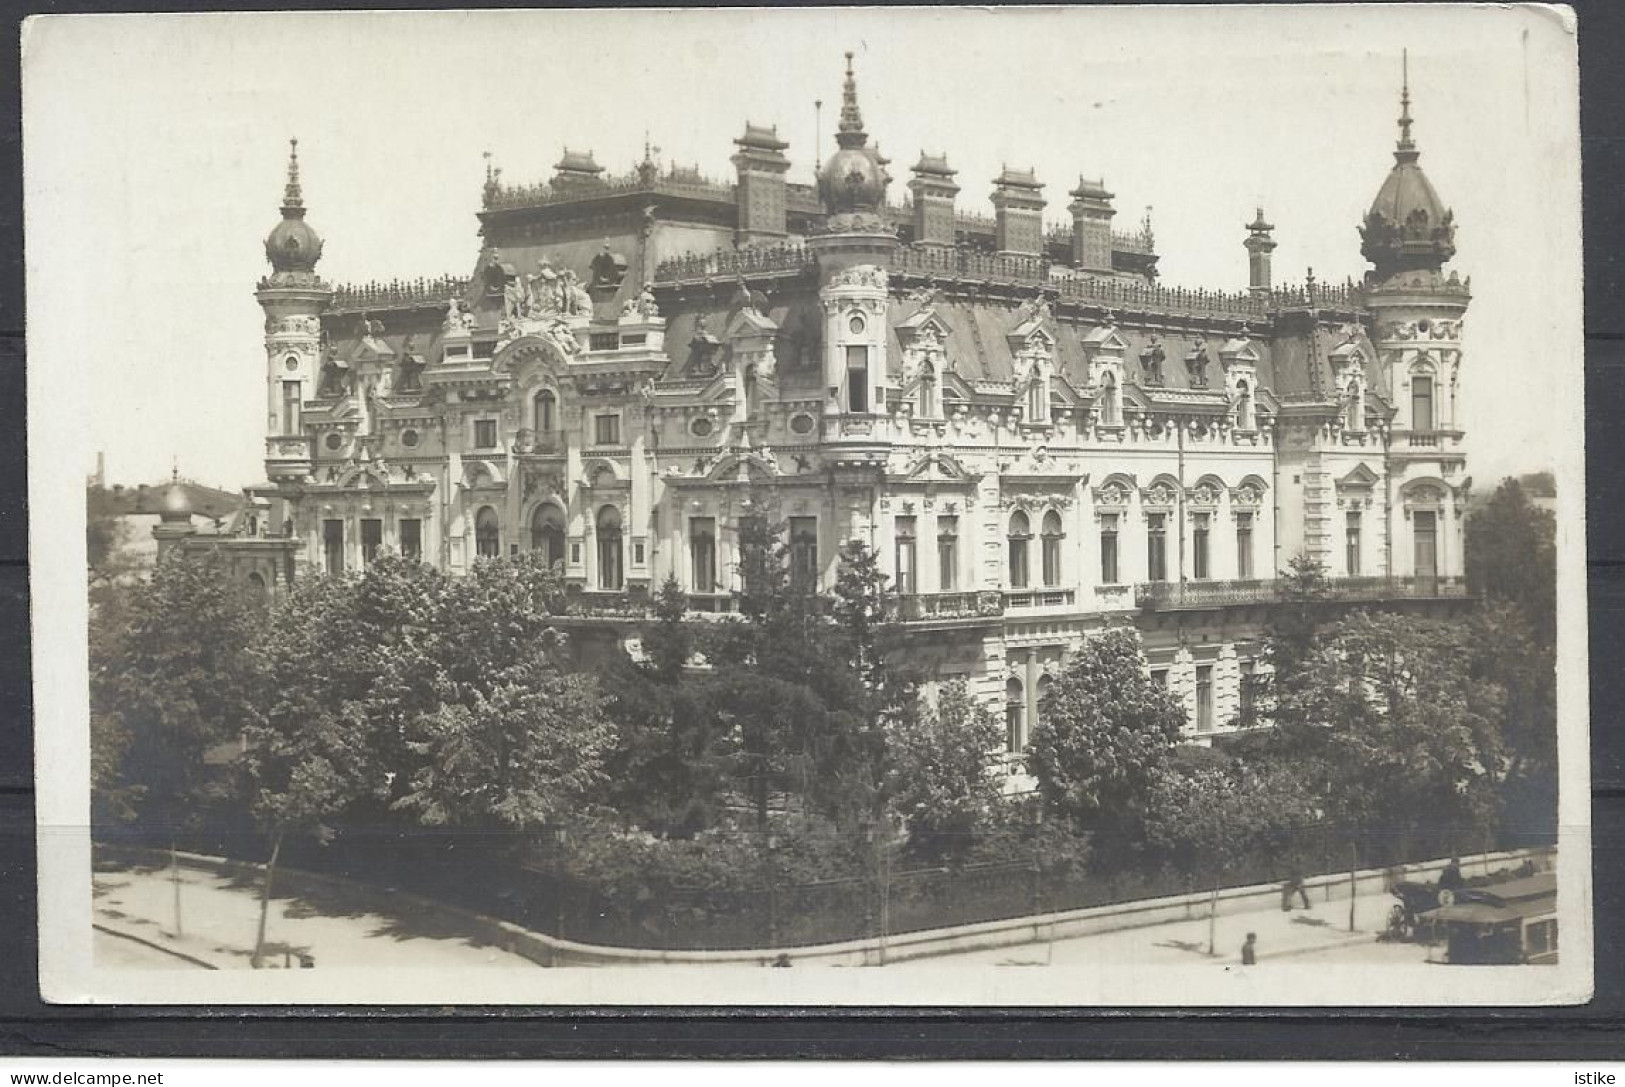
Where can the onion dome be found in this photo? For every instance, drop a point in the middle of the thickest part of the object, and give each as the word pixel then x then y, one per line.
pixel 1408 227
pixel 854 179
pixel 174 504
pixel 293 247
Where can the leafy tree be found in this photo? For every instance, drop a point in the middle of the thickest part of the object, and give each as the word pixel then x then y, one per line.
pixel 1410 739
pixel 1212 821
pixel 668 771
pixel 1512 557
pixel 172 677
pixel 939 771
pixel 1104 730
pixel 105 533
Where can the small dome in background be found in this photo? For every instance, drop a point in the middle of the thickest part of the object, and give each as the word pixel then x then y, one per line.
pixel 174 504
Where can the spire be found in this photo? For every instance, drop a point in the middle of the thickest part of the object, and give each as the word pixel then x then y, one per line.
pixel 850 133
pixel 293 199
pixel 1406 150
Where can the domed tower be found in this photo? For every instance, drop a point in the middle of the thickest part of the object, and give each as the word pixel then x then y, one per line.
pixel 1417 309
pixel 174 517
pixel 293 297
pixel 854 251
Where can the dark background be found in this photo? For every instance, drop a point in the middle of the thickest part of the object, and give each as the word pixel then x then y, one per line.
pixel 31 1028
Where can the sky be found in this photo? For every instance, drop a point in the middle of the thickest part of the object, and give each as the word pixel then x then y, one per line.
pixel 155 151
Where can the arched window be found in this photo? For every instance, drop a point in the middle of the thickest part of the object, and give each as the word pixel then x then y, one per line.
pixel 256 585
pixel 1052 537
pixel 547 413
pixel 1045 682
pixel 1109 413
pixel 930 406
pixel 1244 406
pixel 1014 711
pixel 487 533
pixel 547 534
pixel 609 548
pixel 1422 403
pixel 1020 533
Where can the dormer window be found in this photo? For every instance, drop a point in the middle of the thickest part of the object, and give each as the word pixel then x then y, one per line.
pixel 1110 413
pixel 930 399
pixel 1038 399
pixel 1244 406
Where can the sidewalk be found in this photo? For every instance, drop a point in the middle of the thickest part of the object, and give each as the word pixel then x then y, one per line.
pixel 220 915
pixel 1319 934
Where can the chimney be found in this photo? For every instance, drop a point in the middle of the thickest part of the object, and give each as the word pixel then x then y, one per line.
pixel 1259 246
pixel 761 193
pixel 1092 213
pixel 1018 202
pixel 576 170
pixel 934 191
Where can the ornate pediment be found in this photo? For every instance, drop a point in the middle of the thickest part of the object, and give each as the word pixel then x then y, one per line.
pixel 549 344
pixel 1117 491
pixel 937 467
pixel 1358 478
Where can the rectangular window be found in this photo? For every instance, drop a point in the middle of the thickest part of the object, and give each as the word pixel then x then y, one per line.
pixel 603 341
pixel 412 539
pixel 1424 527
pixel 637 552
pixel 1199 534
pixel 372 538
pixel 333 546
pixel 905 555
pixel 804 553
pixel 948 554
pixel 857 379
pixel 1352 539
pixel 1156 547
pixel 1249 693
pixel 1421 403
pixel 702 551
pixel 1244 546
pixel 1159 676
pixel 606 430
pixel 291 400
pixel 1108 549
pixel 485 434
pixel 1204 698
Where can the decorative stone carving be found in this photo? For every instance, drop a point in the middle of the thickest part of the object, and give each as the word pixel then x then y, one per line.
pixel 1196 363
pixel 458 319
pixel 298 324
pixel 1151 360
pixel 1112 493
pixel 1248 494
pixel 861 275
pixel 1399 330
pixel 1159 494
pixel 1204 494
pixel 643 305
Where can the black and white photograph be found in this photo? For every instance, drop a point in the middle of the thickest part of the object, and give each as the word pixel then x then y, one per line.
pixel 1032 506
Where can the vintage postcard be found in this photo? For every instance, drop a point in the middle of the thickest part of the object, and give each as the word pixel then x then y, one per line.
pixel 809 507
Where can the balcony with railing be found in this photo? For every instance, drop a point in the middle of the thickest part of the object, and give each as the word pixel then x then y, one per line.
pixel 399 293
pixel 1207 595
pixel 1030 599
pixel 924 607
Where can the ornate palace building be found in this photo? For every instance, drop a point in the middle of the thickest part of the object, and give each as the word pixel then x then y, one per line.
pixel 1037 439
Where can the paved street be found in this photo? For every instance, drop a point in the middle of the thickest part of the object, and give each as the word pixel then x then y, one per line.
pixel 1319 934
pixel 219 915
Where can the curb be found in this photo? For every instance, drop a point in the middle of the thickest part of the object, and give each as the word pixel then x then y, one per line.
pixel 134 939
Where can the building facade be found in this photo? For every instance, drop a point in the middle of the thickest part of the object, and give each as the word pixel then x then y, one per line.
pixel 1037 439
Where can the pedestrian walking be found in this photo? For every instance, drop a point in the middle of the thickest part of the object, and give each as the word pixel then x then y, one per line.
pixel 1249 950
pixel 1294 885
